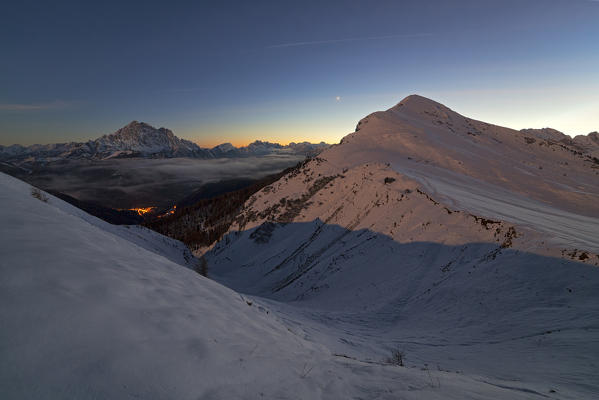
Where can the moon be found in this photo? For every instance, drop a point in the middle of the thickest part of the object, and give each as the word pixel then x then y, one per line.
pixel 338 98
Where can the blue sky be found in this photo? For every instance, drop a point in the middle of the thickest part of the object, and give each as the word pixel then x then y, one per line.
pixel 287 71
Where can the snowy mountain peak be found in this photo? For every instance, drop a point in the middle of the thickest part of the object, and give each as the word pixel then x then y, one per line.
pixel 416 105
pixel 420 136
pixel 414 108
pixel 141 132
pixel 140 138
pixel 224 147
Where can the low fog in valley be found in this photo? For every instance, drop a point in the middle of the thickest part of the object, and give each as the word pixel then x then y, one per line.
pixel 138 182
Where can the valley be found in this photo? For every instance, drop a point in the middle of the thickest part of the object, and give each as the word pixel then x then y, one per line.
pixel 160 183
pixel 141 167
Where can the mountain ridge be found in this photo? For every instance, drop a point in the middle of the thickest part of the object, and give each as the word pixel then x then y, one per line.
pixel 459 243
pixel 139 139
pixel 416 104
pixel 419 136
pixel 459 162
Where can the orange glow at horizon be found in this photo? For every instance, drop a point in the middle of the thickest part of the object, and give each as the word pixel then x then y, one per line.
pixel 281 123
pixel 242 140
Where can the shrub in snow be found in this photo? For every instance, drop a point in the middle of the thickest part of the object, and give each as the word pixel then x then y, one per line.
pixel 396 358
pixel 38 194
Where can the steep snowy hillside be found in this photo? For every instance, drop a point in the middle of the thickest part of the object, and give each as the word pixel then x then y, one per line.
pixel 89 314
pixel 439 236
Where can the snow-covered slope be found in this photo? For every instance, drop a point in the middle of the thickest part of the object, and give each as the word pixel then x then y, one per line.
pixel 366 266
pixel 145 238
pixel 87 314
pixel 438 235
pixel 420 134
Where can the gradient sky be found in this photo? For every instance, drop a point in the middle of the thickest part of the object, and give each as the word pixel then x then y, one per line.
pixel 290 70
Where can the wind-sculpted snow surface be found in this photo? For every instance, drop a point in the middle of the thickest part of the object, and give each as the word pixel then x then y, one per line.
pixel 90 314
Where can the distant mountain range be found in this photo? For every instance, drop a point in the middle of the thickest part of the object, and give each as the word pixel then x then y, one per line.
pixel 139 139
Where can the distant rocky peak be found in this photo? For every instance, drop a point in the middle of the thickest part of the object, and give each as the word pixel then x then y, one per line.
pixel 137 129
pixel 260 143
pixel 224 147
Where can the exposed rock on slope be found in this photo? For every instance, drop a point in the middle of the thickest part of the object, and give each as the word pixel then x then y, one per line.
pixel 584 144
pixel 367 198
